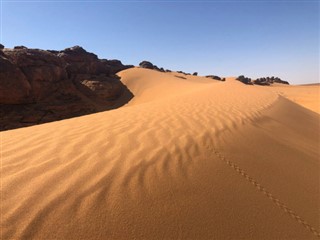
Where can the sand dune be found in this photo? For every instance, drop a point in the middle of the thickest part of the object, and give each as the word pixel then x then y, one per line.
pixel 306 95
pixel 185 159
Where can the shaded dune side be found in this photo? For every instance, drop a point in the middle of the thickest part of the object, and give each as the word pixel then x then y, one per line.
pixel 148 171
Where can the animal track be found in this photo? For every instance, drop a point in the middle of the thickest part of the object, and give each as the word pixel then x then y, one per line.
pixel 268 194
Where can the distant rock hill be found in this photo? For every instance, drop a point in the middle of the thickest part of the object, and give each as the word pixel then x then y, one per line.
pixel 38 86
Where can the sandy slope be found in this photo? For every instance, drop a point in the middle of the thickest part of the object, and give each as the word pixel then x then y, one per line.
pixel 306 95
pixel 186 159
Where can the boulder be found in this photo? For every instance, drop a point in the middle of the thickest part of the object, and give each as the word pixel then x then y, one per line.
pixel 195 74
pixel 146 64
pixel 1 47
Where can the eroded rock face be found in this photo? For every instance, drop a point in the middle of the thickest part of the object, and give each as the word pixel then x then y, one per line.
pixel 42 69
pixel 38 86
pixel 14 86
pixel 101 88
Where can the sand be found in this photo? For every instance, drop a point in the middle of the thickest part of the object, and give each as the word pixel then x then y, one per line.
pixel 186 159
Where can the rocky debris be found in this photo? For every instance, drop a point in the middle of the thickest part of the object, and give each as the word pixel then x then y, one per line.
pixel 266 81
pixel 195 74
pixel 214 77
pixel 38 86
pixel 244 80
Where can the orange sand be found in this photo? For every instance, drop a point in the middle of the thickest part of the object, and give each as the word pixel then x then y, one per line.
pixel 185 159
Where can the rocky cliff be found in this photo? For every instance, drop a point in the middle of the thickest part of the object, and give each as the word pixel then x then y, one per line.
pixel 38 86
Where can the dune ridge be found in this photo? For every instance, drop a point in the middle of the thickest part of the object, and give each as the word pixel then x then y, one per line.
pixel 153 169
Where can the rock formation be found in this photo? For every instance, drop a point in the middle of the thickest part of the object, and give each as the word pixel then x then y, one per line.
pixel 244 80
pixel 38 86
pixel 149 65
pixel 214 77
pixel 266 81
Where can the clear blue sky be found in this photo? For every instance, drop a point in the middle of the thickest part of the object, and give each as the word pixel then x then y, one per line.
pixel 226 38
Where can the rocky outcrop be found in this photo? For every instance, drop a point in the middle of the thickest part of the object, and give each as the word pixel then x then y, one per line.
pixel 146 64
pixel 42 69
pixel 266 81
pixel 214 77
pixel 244 80
pixel 38 86
pixel 14 86
pixel 149 65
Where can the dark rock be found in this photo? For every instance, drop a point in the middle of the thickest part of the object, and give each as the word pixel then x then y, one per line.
pixel 38 86
pixel 195 74
pixel 215 77
pixel 146 64
pixel 115 66
pixel 1 47
pixel 244 80
pixel 149 65
pixel 42 69
pixel 14 86
pixel 266 81
pixel 20 47
pixel 155 67
pixel 102 88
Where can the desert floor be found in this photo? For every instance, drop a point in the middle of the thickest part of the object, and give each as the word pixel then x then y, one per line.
pixel 187 158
